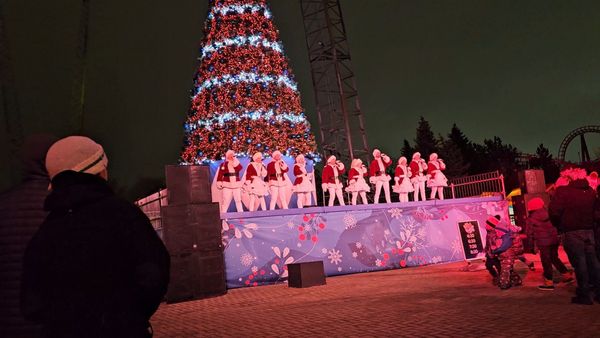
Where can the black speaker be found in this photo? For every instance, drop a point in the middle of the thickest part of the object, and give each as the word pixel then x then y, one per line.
pixel 303 275
pixel 191 227
pixel 196 275
pixel 532 181
pixel 188 184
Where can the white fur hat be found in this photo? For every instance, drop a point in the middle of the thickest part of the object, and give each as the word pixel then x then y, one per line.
pixel 229 154
pixel 433 156
pixel 376 151
pixel 415 155
pixel 257 155
pixel 300 159
pixel 331 159
pixel 276 154
pixel 402 160
pixel 356 163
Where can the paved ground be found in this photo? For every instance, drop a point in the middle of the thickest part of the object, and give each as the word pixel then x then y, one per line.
pixel 433 301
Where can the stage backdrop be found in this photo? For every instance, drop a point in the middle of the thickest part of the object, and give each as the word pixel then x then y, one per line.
pixel 350 239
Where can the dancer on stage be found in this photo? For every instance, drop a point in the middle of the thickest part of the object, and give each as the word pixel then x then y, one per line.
pixel 402 178
pixel 331 180
pixel 278 181
pixel 228 181
pixel 437 180
pixel 418 169
pixel 356 181
pixel 303 185
pixel 255 182
pixel 379 176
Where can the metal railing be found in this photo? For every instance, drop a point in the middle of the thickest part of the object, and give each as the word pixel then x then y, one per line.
pixel 486 184
pixel 151 206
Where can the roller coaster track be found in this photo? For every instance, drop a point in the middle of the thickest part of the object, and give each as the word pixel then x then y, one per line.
pixel 581 131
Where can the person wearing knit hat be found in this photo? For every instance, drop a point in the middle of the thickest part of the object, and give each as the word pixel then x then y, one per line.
pixel 508 248
pixel 96 266
pixel 76 153
pixel 545 236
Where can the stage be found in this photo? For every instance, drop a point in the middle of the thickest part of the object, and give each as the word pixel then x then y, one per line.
pixel 351 239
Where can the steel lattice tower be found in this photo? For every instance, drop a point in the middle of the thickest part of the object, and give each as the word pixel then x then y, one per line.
pixel 9 99
pixel 341 122
pixel 79 79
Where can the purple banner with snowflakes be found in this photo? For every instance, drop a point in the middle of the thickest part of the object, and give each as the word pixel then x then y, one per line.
pixel 349 239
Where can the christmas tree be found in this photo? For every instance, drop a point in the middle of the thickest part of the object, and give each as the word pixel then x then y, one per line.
pixel 244 97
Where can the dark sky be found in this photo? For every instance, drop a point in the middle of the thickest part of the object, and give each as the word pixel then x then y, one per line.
pixel 527 71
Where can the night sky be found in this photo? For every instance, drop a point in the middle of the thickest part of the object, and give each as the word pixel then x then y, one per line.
pixel 527 71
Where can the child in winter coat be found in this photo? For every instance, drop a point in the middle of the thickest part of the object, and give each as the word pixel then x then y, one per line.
pixel 509 246
pixel 492 262
pixel 545 237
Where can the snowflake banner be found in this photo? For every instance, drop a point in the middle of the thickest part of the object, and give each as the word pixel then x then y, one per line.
pixel 349 239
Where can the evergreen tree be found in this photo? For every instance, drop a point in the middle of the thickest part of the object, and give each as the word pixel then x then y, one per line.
pixel 425 142
pixel 465 146
pixel 407 151
pixel 456 166
pixel 543 160
pixel 502 157
pixel 245 97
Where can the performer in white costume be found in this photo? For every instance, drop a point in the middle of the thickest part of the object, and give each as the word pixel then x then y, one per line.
pixel 228 181
pixel 378 175
pixel 418 175
pixel 255 184
pixel 402 178
pixel 356 181
pixel 331 180
pixel 278 181
pixel 303 184
pixel 437 180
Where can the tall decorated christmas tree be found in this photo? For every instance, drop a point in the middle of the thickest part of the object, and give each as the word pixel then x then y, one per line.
pixel 245 97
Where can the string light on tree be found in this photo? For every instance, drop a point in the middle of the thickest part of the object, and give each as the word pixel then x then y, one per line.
pixel 245 97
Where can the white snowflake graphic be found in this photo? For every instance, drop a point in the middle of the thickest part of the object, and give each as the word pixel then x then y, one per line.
pixel 395 212
pixel 354 254
pixel 457 248
pixel 290 225
pixel 358 245
pixel 246 259
pixel 349 221
pixel 254 269
pixel 378 262
pixel 436 259
pixel 324 250
pixel 335 256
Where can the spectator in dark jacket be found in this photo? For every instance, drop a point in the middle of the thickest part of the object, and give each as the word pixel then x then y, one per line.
pixel 492 261
pixel 21 213
pixel 572 211
pixel 96 267
pixel 545 237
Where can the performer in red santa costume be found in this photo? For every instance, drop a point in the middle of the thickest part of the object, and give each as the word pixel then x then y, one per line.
pixel 255 182
pixel 402 178
pixel 303 184
pixel 437 180
pixel 378 175
pixel 278 181
pixel 228 181
pixel 356 181
pixel 331 180
pixel 418 170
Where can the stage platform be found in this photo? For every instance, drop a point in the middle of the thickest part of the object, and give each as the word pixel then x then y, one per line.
pixel 350 239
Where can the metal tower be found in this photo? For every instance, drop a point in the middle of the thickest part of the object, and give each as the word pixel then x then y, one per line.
pixel 78 90
pixel 10 102
pixel 341 122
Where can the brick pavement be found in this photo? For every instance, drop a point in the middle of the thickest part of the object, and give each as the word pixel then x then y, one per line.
pixel 433 301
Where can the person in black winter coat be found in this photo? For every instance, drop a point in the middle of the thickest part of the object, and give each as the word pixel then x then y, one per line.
pixel 96 267
pixel 572 211
pixel 21 213
pixel 545 237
